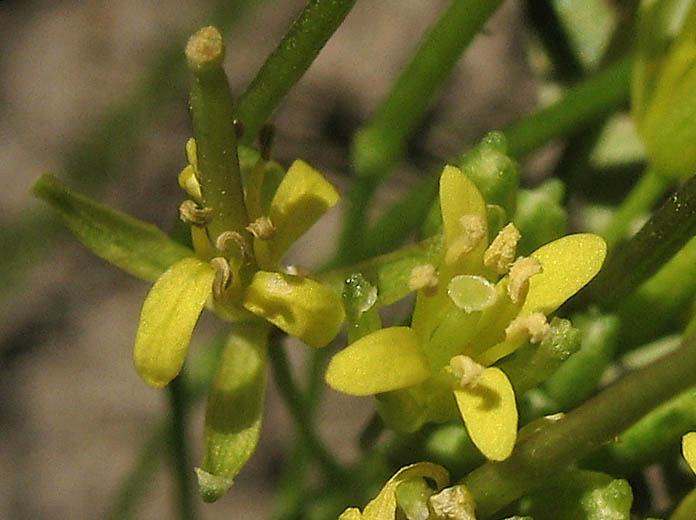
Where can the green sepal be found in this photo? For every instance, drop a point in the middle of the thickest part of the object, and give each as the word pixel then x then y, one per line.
pixel 138 248
pixel 234 410
pixel 580 495
pixel 389 273
pixel 167 319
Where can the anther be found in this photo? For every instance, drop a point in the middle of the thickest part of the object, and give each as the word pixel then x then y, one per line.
pixel 467 372
pixel 520 273
pixel 193 214
pixel 424 278
pixel 501 253
pixel 223 276
pixel 223 240
pixel 262 228
pixel 473 231
pixel 535 327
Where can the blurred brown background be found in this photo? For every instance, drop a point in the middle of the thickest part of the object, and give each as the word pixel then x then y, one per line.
pixel 95 91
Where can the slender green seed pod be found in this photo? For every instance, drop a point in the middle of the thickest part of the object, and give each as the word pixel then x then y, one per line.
pixel 235 405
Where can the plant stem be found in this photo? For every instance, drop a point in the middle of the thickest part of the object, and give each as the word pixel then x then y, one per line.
pixel 300 414
pixel 667 231
pixel 179 450
pixel 639 201
pixel 597 421
pixel 289 61
pixel 583 104
pixel 379 145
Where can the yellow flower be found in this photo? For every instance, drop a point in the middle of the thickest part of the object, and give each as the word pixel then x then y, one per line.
pixel 466 318
pixel 239 289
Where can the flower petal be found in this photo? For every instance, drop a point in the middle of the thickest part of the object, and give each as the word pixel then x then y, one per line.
pixel 303 196
pixel 388 359
pixel 383 506
pixel 569 263
pixel 167 319
pixel 490 414
pixel 689 449
pixel 299 306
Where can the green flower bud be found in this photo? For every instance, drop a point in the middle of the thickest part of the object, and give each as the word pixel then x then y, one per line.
pixel 540 215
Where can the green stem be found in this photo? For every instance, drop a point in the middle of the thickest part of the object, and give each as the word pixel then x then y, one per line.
pixel 300 414
pixel 585 429
pixel 289 61
pixel 183 469
pixel 639 201
pixel 379 145
pixel 583 104
pixel 667 231
pixel 649 439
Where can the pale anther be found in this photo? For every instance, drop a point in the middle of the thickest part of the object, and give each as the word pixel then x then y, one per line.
pixel 262 228
pixel 520 273
pixel 193 214
pixel 467 372
pixel 533 326
pixel 222 242
pixel 473 231
pixel 452 503
pixel 423 278
pixel 501 252
pixel 223 276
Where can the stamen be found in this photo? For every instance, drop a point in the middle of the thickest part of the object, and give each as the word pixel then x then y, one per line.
pixel 424 278
pixel 223 240
pixel 535 327
pixel 452 502
pixel 466 371
pixel 501 252
pixel 520 273
pixel 223 275
pixel 262 228
pixel 473 231
pixel 193 214
pixel 192 152
pixel 188 182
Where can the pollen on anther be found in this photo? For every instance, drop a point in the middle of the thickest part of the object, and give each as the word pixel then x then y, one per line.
pixel 535 327
pixel 501 253
pixel 520 272
pixel 424 278
pixel 466 371
pixel 473 231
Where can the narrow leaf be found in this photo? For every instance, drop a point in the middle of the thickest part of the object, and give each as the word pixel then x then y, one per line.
pixel 138 248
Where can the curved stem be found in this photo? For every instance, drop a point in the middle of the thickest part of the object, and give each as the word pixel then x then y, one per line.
pixel 597 421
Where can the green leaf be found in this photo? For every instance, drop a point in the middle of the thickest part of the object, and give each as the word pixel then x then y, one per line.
pixel 167 319
pixel 138 248
pixel 581 495
pixel 235 405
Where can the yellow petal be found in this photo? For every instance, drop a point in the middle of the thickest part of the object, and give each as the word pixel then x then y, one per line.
pixel 388 359
pixel 352 513
pixel 302 197
pixel 568 264
pixel 383 506
pixel 168 317
pixel 301 307
pixel 689 449
pixel 490 414
pixel 459 198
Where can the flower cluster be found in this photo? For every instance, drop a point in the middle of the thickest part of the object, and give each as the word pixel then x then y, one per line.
pixel 476 305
